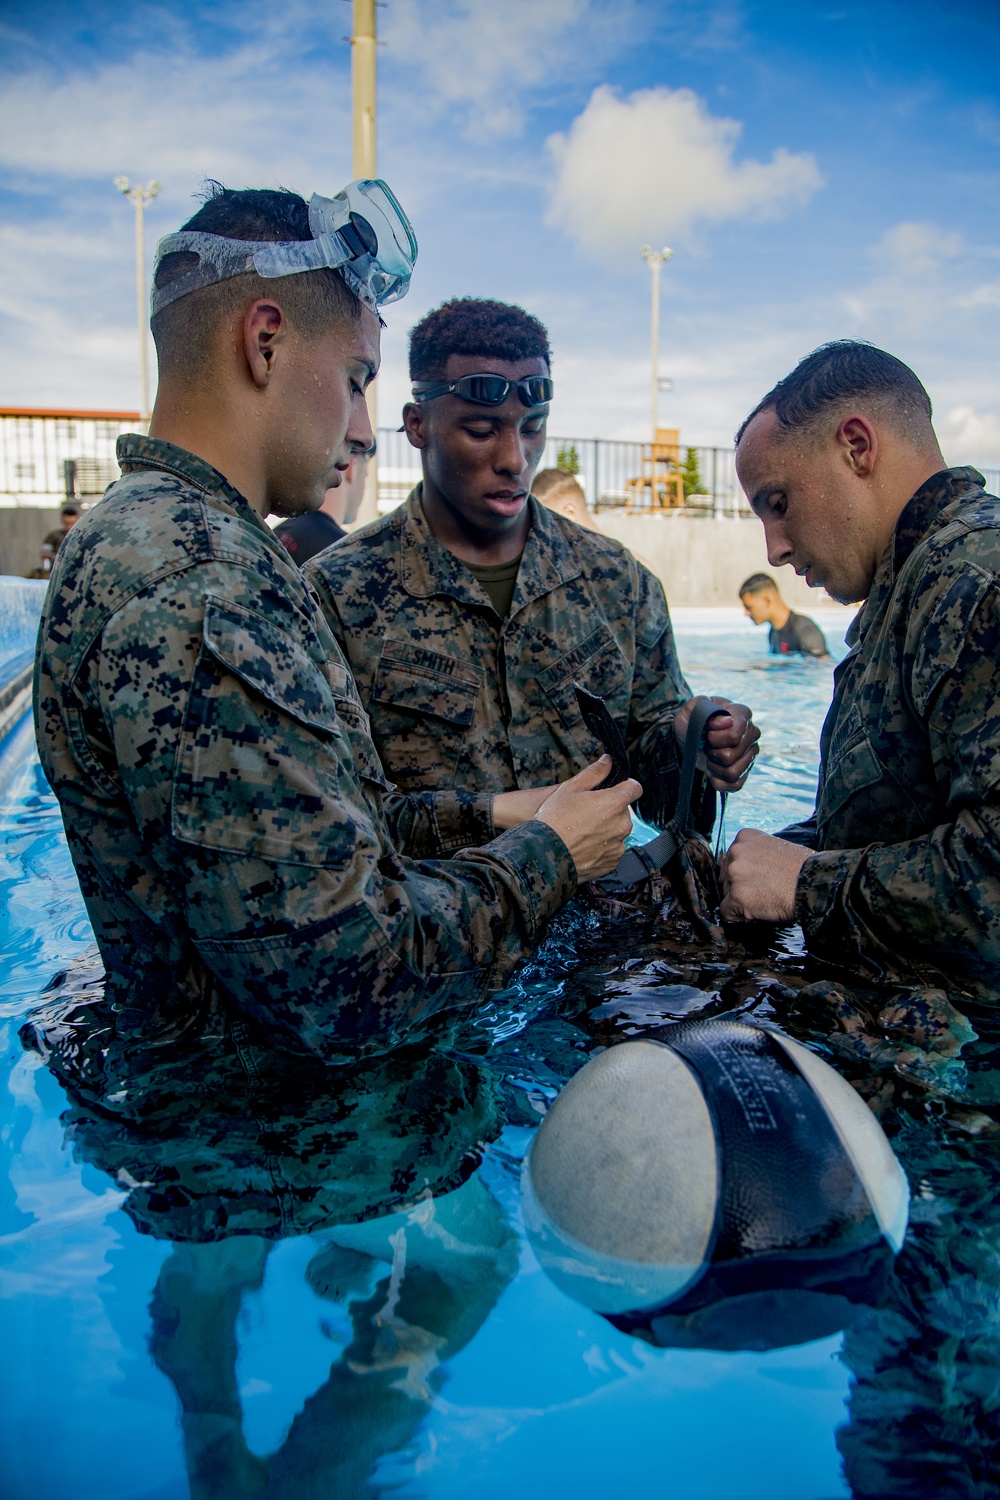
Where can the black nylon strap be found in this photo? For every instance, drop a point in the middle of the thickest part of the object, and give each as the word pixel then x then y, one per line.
pixel 639 864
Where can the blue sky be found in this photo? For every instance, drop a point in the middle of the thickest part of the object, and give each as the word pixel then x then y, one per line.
pixel 820 171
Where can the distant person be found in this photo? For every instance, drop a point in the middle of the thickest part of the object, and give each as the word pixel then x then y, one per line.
pixel 562 492
pixel 468 613
pixel 790 634
pixel 897 872
pixel 304 536
pixel 53 540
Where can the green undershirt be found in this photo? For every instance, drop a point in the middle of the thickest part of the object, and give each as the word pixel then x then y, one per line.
pixel 499 580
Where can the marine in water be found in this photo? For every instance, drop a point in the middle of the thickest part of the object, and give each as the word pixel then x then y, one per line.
pixel 897 873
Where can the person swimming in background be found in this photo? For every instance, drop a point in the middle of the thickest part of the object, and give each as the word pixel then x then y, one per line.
pixel 790 633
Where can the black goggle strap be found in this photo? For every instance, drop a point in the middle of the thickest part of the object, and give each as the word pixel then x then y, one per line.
pixel 488 390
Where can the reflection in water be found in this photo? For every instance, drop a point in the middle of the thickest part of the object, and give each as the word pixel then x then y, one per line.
pixel 417 1251
pixel 418 1286
pixel 925 1400
pixel 226 1160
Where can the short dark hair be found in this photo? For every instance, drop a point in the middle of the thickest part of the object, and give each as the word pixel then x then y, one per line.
pixel 756 584
pixel 183 330
pixel 838 373
pixel 475 325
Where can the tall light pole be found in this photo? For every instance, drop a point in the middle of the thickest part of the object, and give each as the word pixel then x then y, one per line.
pixel 656 258
pixel 139 196
pixel 363 90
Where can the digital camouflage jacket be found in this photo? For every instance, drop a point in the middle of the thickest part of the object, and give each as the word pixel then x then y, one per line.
pixel 907 883
pixel 236 842
pixel 459 698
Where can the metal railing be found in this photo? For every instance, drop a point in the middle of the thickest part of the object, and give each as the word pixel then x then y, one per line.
pixel 605 467
pixel 47 456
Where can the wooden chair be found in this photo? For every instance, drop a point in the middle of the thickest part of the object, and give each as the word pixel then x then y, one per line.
pixel 660 485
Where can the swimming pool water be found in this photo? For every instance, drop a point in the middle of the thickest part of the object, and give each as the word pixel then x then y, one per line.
pixel 424 1353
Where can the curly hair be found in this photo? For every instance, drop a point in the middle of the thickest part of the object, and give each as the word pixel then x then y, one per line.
pixel 838 373
pixel 475 325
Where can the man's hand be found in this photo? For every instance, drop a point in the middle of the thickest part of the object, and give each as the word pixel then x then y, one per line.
pixel 730 743
pixel 511 808
pixel 759 876
pixel 592 825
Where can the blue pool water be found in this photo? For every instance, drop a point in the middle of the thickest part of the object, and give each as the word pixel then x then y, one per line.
pixel 424 1353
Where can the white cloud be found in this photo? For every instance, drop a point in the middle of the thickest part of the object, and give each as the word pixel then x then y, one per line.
pixel 178 116
pixel 915 249
pixel 482 59
pixel 968 436
pixel 987 295
pixel 652 165
pixel 919 284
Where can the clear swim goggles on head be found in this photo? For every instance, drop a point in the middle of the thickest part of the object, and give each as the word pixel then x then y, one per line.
pixel 362 233
pixel 488 390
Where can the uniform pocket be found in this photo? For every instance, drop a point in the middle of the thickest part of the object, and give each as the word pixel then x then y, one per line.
pixel 263 766
pixel 598 665
pixel 417 680
pixel 423 704
pixel 856 767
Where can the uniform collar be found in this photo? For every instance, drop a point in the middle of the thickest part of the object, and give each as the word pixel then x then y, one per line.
pixel 936 500
pixel 428 568
pixel 136 453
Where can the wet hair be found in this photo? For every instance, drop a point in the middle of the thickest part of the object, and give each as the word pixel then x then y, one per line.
pixel 839 374
pixel 552 484
pixel 756 584
pixel 475 325
pixel 184 330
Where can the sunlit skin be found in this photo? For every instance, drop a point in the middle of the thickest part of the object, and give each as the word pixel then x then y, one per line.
pixel 478 465
pixel 479 461
pixel 829 499
pixel 278 414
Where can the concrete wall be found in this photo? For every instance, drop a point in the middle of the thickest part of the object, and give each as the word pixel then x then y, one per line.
pixel 700 560
pixel 21 531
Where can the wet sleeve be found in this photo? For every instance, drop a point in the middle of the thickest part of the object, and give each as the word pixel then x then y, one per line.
pixel 933 899
pixel 810 638
pixel 658 691
pixel 242 786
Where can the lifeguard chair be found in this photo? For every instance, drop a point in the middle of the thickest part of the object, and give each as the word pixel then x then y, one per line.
pixel 660 485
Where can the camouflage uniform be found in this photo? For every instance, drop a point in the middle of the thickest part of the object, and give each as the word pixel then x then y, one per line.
pixel 908 808
pixel 231 827
pixel 460 698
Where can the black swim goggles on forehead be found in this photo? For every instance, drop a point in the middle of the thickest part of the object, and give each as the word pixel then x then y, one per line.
pixel 488 390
